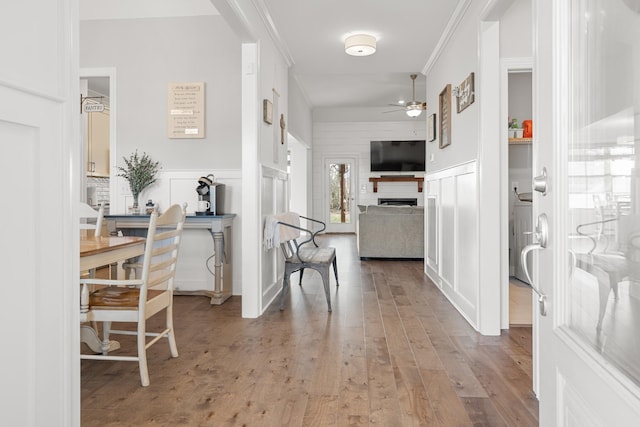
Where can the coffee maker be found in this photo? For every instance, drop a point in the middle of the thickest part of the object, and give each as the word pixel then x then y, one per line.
pixel 211 192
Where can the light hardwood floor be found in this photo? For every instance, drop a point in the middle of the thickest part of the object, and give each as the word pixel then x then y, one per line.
pixel 393 352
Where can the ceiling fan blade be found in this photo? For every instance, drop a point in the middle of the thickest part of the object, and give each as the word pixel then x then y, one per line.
pixel 392 111
pixel 396 105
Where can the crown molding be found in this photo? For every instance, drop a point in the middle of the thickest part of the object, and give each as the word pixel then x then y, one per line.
pixel 267 20
pixel 449 30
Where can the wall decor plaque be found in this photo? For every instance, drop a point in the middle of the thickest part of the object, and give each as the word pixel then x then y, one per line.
pixel 465 95
pixel 444 101
pixel 186 110
pixel 431 127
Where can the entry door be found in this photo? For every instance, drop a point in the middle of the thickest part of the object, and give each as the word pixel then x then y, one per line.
pixel 587 137
pixel 340 195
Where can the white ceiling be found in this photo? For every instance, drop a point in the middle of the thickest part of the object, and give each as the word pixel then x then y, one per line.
pixel 312 33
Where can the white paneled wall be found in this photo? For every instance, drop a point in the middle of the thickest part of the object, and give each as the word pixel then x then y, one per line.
pixel 179 186
pixel 451 224
pixel 274 200
pixel 352 139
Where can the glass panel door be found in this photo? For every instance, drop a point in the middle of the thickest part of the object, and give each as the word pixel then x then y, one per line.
pixel 340 193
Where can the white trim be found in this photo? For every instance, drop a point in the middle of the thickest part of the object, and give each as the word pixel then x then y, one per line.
pixel 267 20
pixel 251 223
pixel 448 32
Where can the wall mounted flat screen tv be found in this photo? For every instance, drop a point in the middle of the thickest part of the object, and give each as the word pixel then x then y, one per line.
pixel 398 156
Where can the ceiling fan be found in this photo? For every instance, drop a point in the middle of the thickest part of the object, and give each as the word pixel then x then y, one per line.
pixel 413 108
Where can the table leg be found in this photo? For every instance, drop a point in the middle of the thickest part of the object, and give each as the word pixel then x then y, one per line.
pixel 220 295
pixel 89 336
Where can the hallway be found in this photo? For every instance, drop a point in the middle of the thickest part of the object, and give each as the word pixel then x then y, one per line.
pixel 393 352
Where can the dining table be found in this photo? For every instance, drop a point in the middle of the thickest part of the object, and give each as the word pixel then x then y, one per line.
pixel 97 251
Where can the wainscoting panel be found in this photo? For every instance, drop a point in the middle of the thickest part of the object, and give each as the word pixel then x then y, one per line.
pixel 179 186
pixel 274 199
pixel 451 249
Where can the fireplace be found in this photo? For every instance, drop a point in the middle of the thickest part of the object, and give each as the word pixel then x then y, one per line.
pixel 398 202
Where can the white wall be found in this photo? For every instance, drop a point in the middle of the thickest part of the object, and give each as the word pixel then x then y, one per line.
pixel 520 92
pixel 476 141
pixel 344 139
pixel 150 53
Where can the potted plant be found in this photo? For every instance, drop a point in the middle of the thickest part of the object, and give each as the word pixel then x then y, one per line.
pixel 141 172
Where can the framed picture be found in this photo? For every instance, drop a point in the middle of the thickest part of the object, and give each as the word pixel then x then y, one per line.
pixel 444 102
pixel 267 111
pixel 466 94
pixel 431 127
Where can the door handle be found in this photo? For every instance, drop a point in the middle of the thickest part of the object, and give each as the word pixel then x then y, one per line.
pixel 541 236
pixel 540 182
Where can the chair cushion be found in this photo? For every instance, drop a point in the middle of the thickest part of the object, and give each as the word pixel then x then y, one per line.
pixel 317 255
pixel 114 298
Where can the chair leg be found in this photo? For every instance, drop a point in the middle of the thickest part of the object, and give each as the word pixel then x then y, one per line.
pixel 285 288
pixel 142 353
pixel 335 270
pixel 172 337
pixel 325 281
pixel 301 273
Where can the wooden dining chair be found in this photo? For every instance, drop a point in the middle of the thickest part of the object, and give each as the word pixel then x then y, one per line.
pixel 136 300
pixel 89 213
pixel 286 230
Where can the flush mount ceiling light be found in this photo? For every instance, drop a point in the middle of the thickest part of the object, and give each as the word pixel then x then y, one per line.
pixel 360 45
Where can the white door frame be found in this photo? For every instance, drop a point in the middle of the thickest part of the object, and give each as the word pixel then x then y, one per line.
pixel 340 228
pixel 507 65
pixel 109 72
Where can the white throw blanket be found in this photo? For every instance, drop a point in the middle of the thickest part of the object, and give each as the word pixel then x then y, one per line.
pixel 275 233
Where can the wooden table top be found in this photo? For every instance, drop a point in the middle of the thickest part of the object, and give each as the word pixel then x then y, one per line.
pixel 90 245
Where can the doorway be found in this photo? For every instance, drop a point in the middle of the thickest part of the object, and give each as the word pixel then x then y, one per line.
pixel 340 195
pixel 98 136
pixel 519 194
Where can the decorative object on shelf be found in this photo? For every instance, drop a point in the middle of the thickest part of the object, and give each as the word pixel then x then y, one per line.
pixel 141 172
pixel 464 93
pixel 445 116
pixel 515 131
pixel 267 111
pixel 527 129
pixel 431 127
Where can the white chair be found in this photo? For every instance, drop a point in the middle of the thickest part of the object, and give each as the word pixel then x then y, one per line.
pixel 136 300
pixel 87 212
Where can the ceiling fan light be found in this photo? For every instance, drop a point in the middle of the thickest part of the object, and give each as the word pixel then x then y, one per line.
pixel 414 113
pixel 360 45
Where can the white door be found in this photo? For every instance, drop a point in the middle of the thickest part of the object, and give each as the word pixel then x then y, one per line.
pixel 39 160
pixel 340 194
pixel 587 131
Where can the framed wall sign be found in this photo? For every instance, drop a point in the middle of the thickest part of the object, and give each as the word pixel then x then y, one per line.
pixel 431 127
pixel 186 110
pixel 444 101
pixel 465 94
pixel 267 111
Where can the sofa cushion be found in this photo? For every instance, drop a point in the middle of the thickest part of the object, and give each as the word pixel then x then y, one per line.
pixel 393 210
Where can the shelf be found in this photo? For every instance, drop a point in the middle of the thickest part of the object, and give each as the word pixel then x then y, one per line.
pixel 520 141
pixel 375 181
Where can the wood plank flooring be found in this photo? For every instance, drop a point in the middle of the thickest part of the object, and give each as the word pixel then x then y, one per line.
pixel 393 352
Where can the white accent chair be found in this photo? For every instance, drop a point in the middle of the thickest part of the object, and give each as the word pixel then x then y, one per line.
pixel 136 300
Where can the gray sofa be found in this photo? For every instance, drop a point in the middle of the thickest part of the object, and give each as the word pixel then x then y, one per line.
pixel 391 232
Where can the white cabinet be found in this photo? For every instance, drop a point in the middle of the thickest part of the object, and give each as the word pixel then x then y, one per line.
pixel 98 143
